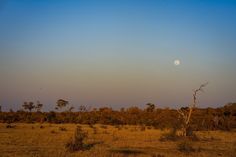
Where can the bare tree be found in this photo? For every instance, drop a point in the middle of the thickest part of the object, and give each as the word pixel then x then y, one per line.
pixel 187 113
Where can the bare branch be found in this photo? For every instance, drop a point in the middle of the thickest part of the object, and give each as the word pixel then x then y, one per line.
pixel 195 100
pixel 196 91
pixel 186 116
pixel 180 112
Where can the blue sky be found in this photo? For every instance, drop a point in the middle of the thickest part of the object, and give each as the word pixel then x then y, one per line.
pixel 117 53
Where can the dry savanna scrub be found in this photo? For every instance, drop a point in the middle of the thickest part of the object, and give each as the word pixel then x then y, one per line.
pixel 44 140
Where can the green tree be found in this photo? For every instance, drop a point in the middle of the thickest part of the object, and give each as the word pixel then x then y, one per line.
pixel 82 108
pixel 38 106
pixel 61 104
pixel 150 107
pixel 28 106
pixel 71 109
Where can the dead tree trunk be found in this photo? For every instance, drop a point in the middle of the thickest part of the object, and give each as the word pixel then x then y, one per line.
pixel 186 115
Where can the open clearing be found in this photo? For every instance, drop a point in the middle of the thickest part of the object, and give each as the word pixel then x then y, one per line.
pixel 49 140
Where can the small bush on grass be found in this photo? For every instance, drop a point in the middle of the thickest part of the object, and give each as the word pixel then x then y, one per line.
pixel 53 131
pixel 62 128
pixel 194 137
pixel 103 126
pixel 95 131
pixel 173 136
pixel 142 128
pixel 134 129
pixel 157 155
pixel 91 126
pixel 77 142
pixel 126 151
pixel 170 136
pixel 105 132
pixel 185 147
pixel 10 126
pixel 118 127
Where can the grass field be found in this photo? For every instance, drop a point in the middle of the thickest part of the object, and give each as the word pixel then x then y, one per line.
pixel 49 140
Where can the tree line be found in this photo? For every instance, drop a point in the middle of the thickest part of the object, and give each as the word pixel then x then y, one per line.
pixel 223 118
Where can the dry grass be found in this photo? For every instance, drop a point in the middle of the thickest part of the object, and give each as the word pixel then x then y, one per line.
pixel 109 141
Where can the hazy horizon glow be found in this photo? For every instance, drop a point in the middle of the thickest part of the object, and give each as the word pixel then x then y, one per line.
pixel 117 53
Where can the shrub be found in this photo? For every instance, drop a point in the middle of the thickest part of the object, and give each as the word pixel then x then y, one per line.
pixel 103 126
pixel 194 137
pixel 158 155
pixel 118 127
pixel 134 129
pixel 126 151
pixel 95 130
pixel 105 132
pixel 53 131
pixel 170 136
pixel 77 142
pixel 142 128
pixel 189 131
pixel 91 126
pixel 185 146
pixel 62 128
pixel 10 126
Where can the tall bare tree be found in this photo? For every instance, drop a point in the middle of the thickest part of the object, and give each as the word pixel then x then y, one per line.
pixel 187 113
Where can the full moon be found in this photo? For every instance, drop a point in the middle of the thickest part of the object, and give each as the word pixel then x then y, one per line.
pixel 177 62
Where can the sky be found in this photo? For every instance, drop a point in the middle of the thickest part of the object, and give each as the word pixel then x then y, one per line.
pixel 117 53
